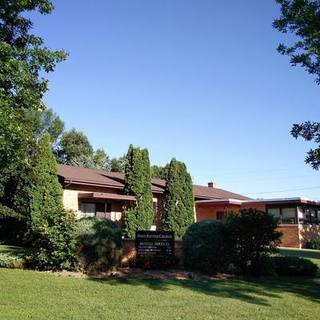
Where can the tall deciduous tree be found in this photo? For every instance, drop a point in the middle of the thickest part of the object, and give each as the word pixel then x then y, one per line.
pixel 309 131
pixel 51 227
pixel 138 183
pixel 73 144
pixel 23 62
pixel 23 55
pixel 302 18
pixel 179 199
pixel 101 160
pixel 118 164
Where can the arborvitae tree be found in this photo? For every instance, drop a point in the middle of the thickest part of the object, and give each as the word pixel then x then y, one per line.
pixel 138 183
pixel 159 172
pixel 51 227
pixel 179 199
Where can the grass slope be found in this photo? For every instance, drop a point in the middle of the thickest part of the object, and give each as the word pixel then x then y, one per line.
pixel 35 295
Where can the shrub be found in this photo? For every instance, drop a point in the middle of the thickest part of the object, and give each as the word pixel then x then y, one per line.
pixel 84 226
pixel 205 247
pixel 294 266
pixel 252 236
pixel 100 248
pixel 12 226
pixel 54 244
pixel 13 257
pixel 315 243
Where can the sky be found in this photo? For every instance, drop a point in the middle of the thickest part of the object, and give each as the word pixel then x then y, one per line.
pixel 200 81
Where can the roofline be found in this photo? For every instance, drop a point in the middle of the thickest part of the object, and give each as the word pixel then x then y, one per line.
pixel 68 181
pixel 89 183
pixel 298 200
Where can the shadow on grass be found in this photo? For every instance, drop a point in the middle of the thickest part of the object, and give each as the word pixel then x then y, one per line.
pixel 251 290
pixel 308 254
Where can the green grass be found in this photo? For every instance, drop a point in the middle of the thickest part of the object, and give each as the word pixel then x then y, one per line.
pixel 34 295
pixel 313 255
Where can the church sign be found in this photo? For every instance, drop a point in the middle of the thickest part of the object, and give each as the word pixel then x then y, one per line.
pixel 155 244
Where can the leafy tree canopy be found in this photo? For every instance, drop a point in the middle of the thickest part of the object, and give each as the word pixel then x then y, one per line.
pixel 73 144
pixel 118 164
pixel 309 131
pixel 302 18
pixel 23 55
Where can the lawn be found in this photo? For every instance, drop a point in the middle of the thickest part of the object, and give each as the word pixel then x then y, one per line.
pixel 35 295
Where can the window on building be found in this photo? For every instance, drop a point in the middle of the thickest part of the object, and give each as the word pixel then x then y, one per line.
pixel 87 209
pixel 288 216
pixel 221 215
pixel 108 207
pixel 284 215
pixel 308 215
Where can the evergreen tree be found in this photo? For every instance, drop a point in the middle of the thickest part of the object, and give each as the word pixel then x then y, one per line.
pixel 179 199
pixel 159 172
pixel 138 183
pixel 51 227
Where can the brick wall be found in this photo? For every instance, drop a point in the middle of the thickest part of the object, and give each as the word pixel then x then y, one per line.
pixel 290 236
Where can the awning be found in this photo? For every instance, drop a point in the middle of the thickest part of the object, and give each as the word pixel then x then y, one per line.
pixel 109 196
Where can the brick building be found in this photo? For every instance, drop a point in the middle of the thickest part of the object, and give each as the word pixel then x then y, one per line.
pixel 96 193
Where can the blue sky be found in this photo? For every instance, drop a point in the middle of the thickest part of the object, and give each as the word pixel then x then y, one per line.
pixel 197 80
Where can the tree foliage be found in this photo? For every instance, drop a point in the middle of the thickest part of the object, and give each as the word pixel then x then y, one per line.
pixel 309 131
pixel 302 18
pixel 101 160
pixel 23 55
pixel 73 144
pixel 118 164
pixel 159 172
pixel 179 199
pixel 74 148
pixel 51 227
pixel 138 183
pixel 252 236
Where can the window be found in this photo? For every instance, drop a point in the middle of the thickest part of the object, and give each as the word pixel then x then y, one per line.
pixel 221 215
pixel 288 216
pixel 309 215
pixel 284 215
pixel 87 209
pixel 108 207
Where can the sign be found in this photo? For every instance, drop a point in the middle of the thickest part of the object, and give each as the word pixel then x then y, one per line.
pixel 155 244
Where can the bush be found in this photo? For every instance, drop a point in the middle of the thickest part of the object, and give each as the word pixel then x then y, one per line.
pixel 294 266
pixel 315 243
pixel 54 243
pixel 84 226
pixel 252 236
pixel 13 257
pixel 100 247
pixel 12 226
pixel 205 247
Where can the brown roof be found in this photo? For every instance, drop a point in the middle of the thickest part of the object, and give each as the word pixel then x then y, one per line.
pixel 100 178
pixel 203 192
pixel 109 196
